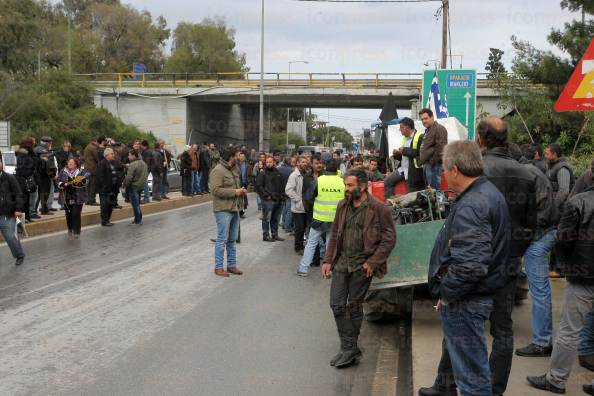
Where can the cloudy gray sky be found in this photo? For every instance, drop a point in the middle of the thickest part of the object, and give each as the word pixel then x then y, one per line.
pixel 386 37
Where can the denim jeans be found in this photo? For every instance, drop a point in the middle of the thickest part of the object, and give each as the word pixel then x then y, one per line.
pixel 536 262
pixel 288 216
pixel 227 230
pixel 433 175
pixel 464 333
pixel 586 343
pixel 259 202
pixel 271 211
pixel 315 238
pixel 32 203
pixel 8 230
pixel 196 182
pixel 146 193
pixel 204 176
pixel 134 197
pixel 157 185
pixel 50 198
pixel 502 349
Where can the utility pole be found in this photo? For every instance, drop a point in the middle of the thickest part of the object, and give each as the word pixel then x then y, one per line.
pixel 69 45
pixel 445 13
pixel 261 127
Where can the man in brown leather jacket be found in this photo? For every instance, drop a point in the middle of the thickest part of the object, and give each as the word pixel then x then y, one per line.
pixel 362 238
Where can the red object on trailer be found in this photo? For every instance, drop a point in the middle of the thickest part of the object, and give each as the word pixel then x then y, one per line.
pixel 401 188
pixel 377 189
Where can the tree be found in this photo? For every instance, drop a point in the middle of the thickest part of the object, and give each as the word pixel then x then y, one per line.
pixel 494 64
pixel 206 47
pixel 324 136
pixel 532 116
pixel 278 141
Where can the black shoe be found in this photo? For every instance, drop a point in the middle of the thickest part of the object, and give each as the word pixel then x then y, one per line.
pixel 108 224
pixel 337 358
pixel 434 391
pixel 315 263
pixel 93 204
pixel 299 252
pixel 266 238
pixel 19 260
pixel 542 383
pixel 533 350
pixel 118 207
pixel 35 216
pixel 588 389
pixel 54 210
pixel 166 197
pixel 348 358
pixel 48 213
pixel 277 238
pixel 587 362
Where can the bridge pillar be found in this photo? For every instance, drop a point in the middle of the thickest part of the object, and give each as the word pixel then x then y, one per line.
pixel 225 123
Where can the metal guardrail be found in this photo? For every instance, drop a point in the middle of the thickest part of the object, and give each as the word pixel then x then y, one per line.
pixel 252 80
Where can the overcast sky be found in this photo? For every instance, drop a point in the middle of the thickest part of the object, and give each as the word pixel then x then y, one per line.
pixel 386 37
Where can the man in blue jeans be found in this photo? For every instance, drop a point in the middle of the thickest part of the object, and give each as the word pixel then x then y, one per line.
pixel 434 140
pixel 536 262
pixel 11 207
pixel 134 182
pixel 227 201
pixel 469 262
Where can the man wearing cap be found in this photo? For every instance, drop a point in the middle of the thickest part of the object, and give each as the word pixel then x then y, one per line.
pixel 11 207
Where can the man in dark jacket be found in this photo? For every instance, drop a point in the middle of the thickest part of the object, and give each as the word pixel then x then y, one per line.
pixel 536 258
pixel 434 140
pixel 64 155
pixel 48 170
pixel 559 173
pixel 533 153
pixel 362 238
pixel 157 170
pixel 469 263
pixel 575 249
pixel 518 187
pixel 584 182
pixel 11 207
pixel 270 189
pixel 107 179
pixel 147 157
pixel 206 165
pixel 91 160
pixel 188 161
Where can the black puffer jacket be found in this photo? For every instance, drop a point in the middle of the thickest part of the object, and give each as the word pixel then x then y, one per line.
pixel 471 254
pixel 575 238
pixel 27 167
pixel 547 214
pixel 270 185
pixel 518 186
pixel 11 198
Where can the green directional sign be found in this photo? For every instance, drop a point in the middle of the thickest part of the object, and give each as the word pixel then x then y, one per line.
pixel 458 89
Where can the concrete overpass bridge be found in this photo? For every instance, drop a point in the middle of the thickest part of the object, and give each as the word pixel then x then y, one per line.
pixel 224 107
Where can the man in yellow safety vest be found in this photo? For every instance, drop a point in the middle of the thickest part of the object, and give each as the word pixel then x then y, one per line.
pixel 329 191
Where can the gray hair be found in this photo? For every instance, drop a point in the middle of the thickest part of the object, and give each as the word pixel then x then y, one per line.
pixel 466 156
pixel 107 151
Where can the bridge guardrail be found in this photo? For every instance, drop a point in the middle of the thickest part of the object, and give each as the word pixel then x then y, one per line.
pixel 252 80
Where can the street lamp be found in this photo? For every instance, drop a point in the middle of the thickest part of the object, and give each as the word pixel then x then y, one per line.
pixel 288 108
pixel 434 61
pixel 261 126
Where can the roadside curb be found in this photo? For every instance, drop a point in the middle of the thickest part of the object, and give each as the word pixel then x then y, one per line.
pixel 58 223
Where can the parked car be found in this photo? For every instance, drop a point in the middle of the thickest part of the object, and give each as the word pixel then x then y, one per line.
pixel 9 161
pixel 173 177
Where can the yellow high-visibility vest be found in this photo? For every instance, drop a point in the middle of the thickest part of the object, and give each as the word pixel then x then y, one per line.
pixel 330 193
pixel 415 146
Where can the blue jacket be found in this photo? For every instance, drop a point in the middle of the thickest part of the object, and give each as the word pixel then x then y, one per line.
pixel 471 255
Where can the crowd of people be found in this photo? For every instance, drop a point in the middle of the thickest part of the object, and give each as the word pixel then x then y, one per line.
pixel 514 209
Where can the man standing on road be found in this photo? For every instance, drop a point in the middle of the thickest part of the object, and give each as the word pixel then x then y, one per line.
pixel 294 191
pixel 106 179
pixel 147 157
pixel 134 183
pixel 272 194
pixel 361 240
pixel 518 187
pixel 11 207
pixel 468 264
pixel 285 170
pixel 227 201
pixel 205 166
pixel 575 248
pixel 328 192
pixel 91 158
pixel 434 140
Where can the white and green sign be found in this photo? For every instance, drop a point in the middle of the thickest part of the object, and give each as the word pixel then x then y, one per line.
pixel 457 91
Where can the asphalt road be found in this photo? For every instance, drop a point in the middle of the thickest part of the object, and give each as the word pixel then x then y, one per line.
pixel 138 311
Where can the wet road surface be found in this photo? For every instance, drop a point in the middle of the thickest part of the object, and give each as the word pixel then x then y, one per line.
pixel 137 311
